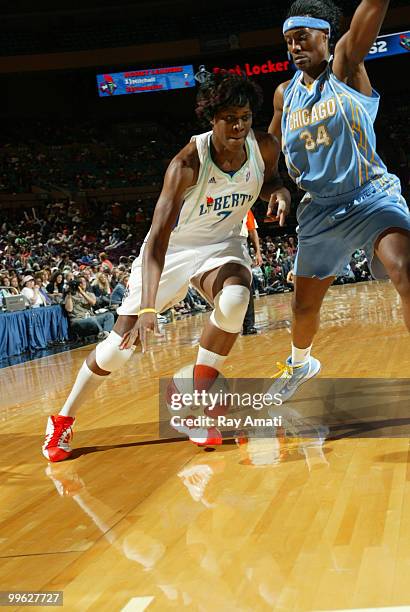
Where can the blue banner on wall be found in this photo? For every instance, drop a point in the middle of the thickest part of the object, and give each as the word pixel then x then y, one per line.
pixel 145 80
pixel 390 44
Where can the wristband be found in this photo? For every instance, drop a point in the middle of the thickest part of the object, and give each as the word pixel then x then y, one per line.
pixel 140 312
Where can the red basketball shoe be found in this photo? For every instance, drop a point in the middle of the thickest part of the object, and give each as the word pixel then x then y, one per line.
pixel 59 433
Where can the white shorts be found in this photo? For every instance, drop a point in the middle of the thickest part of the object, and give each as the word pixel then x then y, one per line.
pixel 182 266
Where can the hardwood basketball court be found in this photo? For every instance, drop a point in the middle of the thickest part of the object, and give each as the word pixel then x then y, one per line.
pixel 133 522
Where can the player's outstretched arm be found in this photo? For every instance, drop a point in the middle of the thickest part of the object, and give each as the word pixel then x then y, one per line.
pixel 181 174
pixel 273 190
pixel 365 26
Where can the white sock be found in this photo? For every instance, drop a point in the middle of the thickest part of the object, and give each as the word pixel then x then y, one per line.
pixel 300 355
pixel 85 385
pixel 209 358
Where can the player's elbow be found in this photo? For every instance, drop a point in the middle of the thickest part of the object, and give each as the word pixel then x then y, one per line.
pixel 274 129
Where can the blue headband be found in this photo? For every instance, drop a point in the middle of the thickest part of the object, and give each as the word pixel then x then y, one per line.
pixel 306 22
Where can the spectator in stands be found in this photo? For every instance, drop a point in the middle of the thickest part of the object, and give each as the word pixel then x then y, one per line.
pixel 193 301
pixel 290 277
pixel 56 284
pixel 102 290
pixel 68 277
pixel 115 276
pixel 79 305
pixel 42 275
pixel 89 277
pixel 86 258
pixel 14 283
pixel 64 261
pixel 5 289
pixel 360 266
pixel 31 292
pixel 105 262
pixel 115 240
pixel 38 280
pixel 119 290
pixel 258 279
pixel 292 248
pixel 5 285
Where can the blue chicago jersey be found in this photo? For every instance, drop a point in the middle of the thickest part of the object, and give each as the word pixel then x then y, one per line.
pixel 328 136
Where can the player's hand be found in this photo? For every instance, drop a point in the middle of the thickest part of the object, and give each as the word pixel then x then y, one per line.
pixel 146 324
pixel 279 205
pixel 258 259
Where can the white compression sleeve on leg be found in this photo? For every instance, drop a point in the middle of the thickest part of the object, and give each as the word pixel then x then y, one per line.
pixel 109 358
pixel 108 355
pixel 84 386
pixel 231 304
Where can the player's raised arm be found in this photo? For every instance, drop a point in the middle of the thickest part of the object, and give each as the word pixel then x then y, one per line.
pixel 355 44
pixel 273 190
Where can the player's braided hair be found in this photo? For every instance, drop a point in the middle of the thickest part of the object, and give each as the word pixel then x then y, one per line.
pixel 226 89
pixel 320 9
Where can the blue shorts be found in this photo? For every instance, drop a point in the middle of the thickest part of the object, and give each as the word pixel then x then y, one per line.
pixel 331 229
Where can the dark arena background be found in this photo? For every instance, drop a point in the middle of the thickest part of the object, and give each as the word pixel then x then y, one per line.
pixel 310 515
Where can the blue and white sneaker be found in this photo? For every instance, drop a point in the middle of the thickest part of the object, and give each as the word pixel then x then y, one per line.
pixel 294 376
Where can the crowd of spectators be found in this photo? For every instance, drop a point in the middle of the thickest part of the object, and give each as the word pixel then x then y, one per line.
pixel 77 157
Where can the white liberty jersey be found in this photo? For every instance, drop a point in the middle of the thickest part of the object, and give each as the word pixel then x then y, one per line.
pixel 214 208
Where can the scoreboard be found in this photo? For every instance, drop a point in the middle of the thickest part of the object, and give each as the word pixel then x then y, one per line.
pixel 390 44
pixel 145 80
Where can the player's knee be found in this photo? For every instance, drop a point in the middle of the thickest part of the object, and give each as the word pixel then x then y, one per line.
pixel 304 308
pixel 109 356
pixel 231 304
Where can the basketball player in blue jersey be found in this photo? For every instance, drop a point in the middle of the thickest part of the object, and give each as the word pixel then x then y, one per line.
pixel 195 237
pixel 324 117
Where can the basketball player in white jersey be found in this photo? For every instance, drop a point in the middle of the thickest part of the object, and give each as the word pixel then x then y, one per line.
pixel 195 238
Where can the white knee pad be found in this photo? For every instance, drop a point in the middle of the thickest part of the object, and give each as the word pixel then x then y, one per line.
pixel 108 355
pixel 231 304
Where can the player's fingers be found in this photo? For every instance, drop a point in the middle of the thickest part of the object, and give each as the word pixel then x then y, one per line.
pixel 143 338
pixel 144 333
pixel 282 211
pixel 157 331
pixel 124 341
pixel 282 218
pixel 272 205
pixel 132 336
